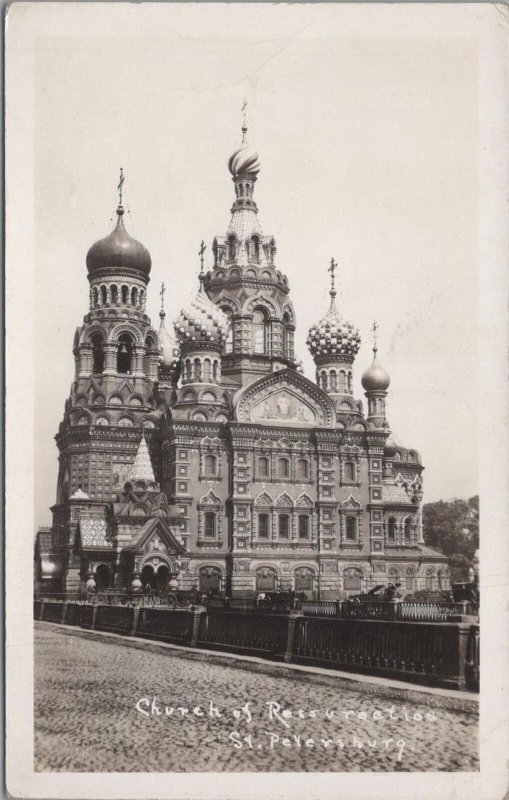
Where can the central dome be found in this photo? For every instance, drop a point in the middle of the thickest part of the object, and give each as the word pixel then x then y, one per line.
pixel 118 251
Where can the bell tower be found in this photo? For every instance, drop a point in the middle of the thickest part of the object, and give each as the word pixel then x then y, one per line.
pixel 246 284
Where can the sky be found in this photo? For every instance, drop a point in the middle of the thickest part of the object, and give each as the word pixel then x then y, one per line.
pixel 368 139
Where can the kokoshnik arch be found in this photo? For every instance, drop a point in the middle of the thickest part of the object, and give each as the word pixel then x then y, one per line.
pixel 206 454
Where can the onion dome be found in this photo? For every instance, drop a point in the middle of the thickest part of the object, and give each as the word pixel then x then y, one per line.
pixel 375 378
pixel 333 336
pixel 390 446
pixel 168 345
pixel 244 161
pixel 118 250
pixel 202 321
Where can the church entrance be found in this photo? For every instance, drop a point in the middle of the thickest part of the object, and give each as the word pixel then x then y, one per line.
pixel 210 580
pixel 102 577
pixel 304 582
pixel 163 577
pixel 148 578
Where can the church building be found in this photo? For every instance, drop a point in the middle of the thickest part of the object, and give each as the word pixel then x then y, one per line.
pixel 200 452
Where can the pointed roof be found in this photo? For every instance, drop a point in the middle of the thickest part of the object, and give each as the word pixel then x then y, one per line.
pixel 79 494
pixel 163 528
pixel 142 467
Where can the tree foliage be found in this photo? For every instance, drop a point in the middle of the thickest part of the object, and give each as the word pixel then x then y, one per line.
pixel 453 528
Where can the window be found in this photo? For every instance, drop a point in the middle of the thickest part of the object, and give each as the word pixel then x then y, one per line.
pixel 263 526
pixel 429 580
pixel 260 343
pixel 391 531
pixel 210 465
pixel 351 529
pixel 210 525
pixel 288 337
pixel 303 468
pixel 350 471
pixel 124 354
pixel 303 526
pixel 284 526
pixel 97 354
pixel 263 467
pixel 333 381
pixel 409 583
pixel 408 531
pixel 228 347
pixel 283 468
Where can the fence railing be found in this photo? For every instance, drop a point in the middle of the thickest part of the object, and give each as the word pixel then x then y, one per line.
pixel 439 653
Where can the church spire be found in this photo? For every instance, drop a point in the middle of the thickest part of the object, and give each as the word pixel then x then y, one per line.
pixel 142 467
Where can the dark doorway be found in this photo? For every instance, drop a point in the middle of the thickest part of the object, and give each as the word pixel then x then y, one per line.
pixel 102 577
pixel 210 580
pixel 148 577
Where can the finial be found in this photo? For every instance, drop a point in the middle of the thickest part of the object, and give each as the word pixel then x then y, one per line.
pixel 374 328
pixel 244 121
pixel 201 253
pixel 162 312
pixel 332 269
pixel 119 187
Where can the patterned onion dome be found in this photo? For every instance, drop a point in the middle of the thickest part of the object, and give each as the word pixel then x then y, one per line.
pixel 375 378
pixel 202 321
pixel 118 250
pixel 244 161
pixel 168 345
pixel 333 336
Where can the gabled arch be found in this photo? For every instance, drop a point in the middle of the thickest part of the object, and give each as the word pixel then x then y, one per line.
pixel 130 330
pixel 284 501
pixel 260 300
pixel 210 499
pixel 304 501
pixel 351 502
pixel 264 499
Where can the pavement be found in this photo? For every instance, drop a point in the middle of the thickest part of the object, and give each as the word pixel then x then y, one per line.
pixel 104 706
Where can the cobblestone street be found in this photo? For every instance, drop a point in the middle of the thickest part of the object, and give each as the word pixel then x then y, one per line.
pixel 97 704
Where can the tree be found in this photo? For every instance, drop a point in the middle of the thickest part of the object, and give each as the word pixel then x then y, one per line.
pixel 453 528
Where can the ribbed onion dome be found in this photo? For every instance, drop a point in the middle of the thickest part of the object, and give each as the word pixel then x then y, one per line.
pixel 244 161
pixel 118 250
pixel 375 378
pixel 202 321
pixel 333 336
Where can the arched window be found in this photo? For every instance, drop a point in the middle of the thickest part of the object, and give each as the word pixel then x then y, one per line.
pixel 97 354
pixel 124 354
pixel 95 297
pixel 206 371
pixel 333 380
pixel 288 337
pixel 440 577
pixel 215 371
pixel 391 530
pixel 408 530
pixel 125 294
pixel 263 467
pixel 349 471
pixel 210 525
pixel 342 382
pixel 409 581
pixel 350 389
pixel 189 370
pixel 283 468
pixel 260 332
pixel 303 468
pixel 142 299
pixel 303 526
pixel 263 526
pixel 351 529
pixel 428 580
pixel 232 248
pixel 284 526
pixel 104 295
pixel 114 293
pixel 197 369
pixel 210 465
pixel 255 248
pixel 323 381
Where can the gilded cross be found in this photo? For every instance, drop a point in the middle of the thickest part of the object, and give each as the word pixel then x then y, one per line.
pixel 119 187
pixel 374 328
pixel 163 289
pixel 332 269
pixel 244 121
pixel 201 253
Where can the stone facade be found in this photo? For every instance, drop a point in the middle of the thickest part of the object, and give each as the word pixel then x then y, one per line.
pixel 206 457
